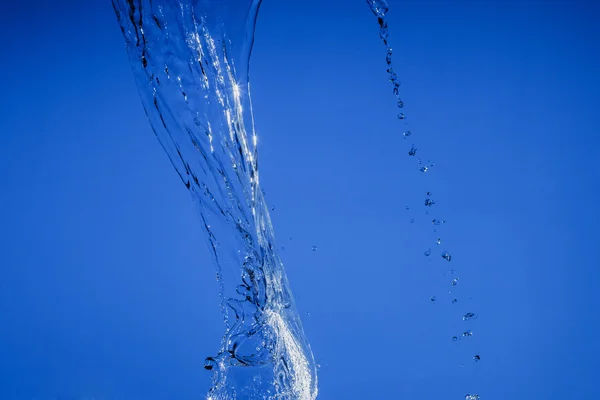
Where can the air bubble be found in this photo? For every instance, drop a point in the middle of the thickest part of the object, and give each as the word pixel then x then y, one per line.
pixel 432 298
pixel 454 282
pixel 429 202
pixel 446 256
pixel 439 241
pixel 314 248
pixel 427 252
pixel 406 134
pixel 423 169
pixel 412 151
pixel 401 116
pixel 454 301
pixel 454 338
pixel 476 358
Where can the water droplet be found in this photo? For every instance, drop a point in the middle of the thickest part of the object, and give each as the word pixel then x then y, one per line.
pixel 432 298
pixel 423 169
pixel 429 202
pixel 272 208
pixel 308 314
pixel 462 365
pixel 467 333
pixel 454 338
pixel 436 222
pixel 406 134
pixel 469 316
pixel 401 116
pixel 400 103
pixel 476 358
pixel 407 207
pixel 314 248
pixel 428 194
pixel 454 301
pixel 412 220
pixel 209 363
pixel 446 256
pixel 427 252
pixel 439 241
pixel 454 282
pixel 412 151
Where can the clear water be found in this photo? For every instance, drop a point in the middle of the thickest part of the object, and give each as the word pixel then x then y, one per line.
pixel 191 62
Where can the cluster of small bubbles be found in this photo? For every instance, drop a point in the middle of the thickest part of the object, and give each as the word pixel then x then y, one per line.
pixel 429 202
pixel 432 298
pixel 472 397
pixel 412 151
pixel 467 333
pixel 454 301
pixel 314 248
pixel 427 252
pixel 454 282
pixel 476 357
pixel 469 316
pixel 406 134
pixel 446 256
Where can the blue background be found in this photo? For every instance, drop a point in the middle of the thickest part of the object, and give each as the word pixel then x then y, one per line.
pixel 107 290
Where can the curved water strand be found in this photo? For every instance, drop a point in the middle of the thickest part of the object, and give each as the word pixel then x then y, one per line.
pixel 191 64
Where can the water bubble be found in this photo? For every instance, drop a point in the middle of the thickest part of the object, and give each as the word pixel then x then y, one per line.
pixel 454 301
pixel 272 208
pixel 436 222
pixel 308 314
pixel 412 151
pixel 467 333
pixel 454 338
pixel 446 256
pixel 432 298
pixel 476 358
pixel 454 282
pixel 401 116
pixel 469 316
pixel 471 396
pixel 439 241
pixel 423 169
pixel 314 248
pixel 406 134
pixel 428 194
pixel 412 220
pixel 427 252
pixel 400 103
pixel 429 202
pixel 407 207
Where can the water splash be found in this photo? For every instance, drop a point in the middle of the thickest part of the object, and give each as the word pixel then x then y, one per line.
pixel 191 63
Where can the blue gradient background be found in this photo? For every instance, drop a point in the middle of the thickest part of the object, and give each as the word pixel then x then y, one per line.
pixel 107 290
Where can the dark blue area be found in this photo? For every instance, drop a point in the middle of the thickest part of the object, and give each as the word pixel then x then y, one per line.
pixel 107 290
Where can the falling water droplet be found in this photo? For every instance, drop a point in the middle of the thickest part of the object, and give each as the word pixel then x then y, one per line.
pixel 308 314
pixel 454 338
pixel 412 220
pixel 469 316
pixel 401 116
pixel 428 193
pixel 432 298
pixel 436 222
pixel 467 333
pixel 454 282
pixel 446 256
pixel 423 169
pixel 314 248
pixel 439 241
pixel 412 151
pixel 454 301
pixel 427 252
pixel 429 202
pixel 406 134
pixel 407 207
pixel 400 103
pixel 476 358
